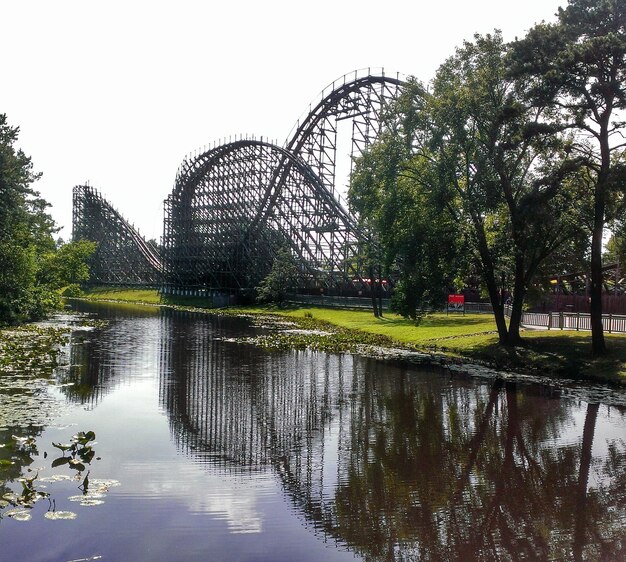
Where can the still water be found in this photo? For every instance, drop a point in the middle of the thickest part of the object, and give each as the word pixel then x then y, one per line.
pixel 209 449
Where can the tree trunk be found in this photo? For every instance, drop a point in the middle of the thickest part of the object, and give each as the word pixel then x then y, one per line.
pixel 489 276
pixel 519 292
pixel 373 292
pixel 498 309
pixel 583 479
pixel 380 291
pixel 598 345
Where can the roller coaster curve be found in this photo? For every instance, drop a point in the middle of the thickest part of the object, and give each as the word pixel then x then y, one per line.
pixel 234 205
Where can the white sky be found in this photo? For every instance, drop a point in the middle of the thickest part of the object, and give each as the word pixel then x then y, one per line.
pixel 118 92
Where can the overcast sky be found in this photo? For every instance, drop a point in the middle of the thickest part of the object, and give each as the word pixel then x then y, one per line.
pixel 117 93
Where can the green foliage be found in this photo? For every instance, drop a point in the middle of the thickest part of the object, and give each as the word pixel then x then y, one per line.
pixel 468 177
pixel 280 279
pixel 72 290
pixel 577 66
pixel 505 166
pixel 392 190
pixel 66 265
pixel 79 450
pixel 31 268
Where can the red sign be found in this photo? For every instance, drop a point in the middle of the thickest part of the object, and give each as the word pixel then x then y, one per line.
pixel 456 303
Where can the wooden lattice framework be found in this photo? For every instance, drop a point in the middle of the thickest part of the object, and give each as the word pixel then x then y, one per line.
pixel 234 205
pixel 122 256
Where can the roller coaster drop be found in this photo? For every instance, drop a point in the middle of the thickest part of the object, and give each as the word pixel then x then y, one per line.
pixel 235 205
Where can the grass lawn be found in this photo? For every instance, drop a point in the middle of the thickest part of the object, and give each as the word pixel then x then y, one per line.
pixel 551 353
pixel 149 296
pixel 433 327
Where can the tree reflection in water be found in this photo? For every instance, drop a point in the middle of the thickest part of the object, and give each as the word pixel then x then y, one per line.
pixel 400 464
pixel 456 475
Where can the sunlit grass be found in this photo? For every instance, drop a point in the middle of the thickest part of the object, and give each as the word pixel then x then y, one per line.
pixel 432 327
pixel 150 296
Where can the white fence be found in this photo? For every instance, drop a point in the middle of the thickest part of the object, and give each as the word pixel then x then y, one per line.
pixel 573 321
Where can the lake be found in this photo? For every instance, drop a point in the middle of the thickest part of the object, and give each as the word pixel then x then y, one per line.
pixel 207 448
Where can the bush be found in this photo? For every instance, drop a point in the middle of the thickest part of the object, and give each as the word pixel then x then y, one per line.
pixel 72 290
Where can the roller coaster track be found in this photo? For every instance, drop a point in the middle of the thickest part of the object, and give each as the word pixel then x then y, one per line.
pixel 232 207
pixel 122 255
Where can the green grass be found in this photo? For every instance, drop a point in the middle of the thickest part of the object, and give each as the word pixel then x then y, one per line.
pixel 148 296
pixel 432 327
pixel 473 336
pixel 144 296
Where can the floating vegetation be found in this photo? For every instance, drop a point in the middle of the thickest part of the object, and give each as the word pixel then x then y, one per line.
pixel 86 501
pixel 326 338
pixel 309 333
pixel 79 450
pixel 28 358
pixel 55 478
pixel 18 514
pixel 56 515
pixel 104 485
pixel 77 453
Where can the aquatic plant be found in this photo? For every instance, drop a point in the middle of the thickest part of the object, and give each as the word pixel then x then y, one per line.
pixel 75 454
pixel 80 452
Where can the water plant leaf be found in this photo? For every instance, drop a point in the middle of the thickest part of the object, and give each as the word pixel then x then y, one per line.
pixel 18 514
pixel 76 465
pixel 86 454
pixel 89 496
pixel 89 502
pixel 84 438
pixel 57 515
pixel 60 461
pixel 62 446
pixel 85 484
pixel 55 477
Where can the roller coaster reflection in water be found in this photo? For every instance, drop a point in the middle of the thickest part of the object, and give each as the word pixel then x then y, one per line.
pixel 235 205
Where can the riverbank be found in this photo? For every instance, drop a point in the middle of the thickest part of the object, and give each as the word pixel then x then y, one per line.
pixel 439 338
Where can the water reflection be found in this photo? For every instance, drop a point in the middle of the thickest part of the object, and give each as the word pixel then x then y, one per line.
pixel 99 361
pixel 396 464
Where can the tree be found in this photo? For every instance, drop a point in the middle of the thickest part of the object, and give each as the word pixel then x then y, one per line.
pixel 25 231
pixel 280 279
pixel 66 264
pixel 503 165
pixel 32 269
pixel 392 191
pixel 578 66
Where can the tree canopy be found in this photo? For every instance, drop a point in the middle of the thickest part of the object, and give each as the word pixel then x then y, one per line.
pixel 32 268
pixel 469 176
pixel 577 66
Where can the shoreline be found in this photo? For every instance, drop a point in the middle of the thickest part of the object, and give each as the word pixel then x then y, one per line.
pixel 310 335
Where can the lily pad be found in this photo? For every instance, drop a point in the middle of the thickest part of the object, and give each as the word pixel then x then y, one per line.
pixel 54 478
pixel 100 484
pixel 54 515
pixel 89 496
pixel 89 502
pixel 60 461
pixel 18 514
